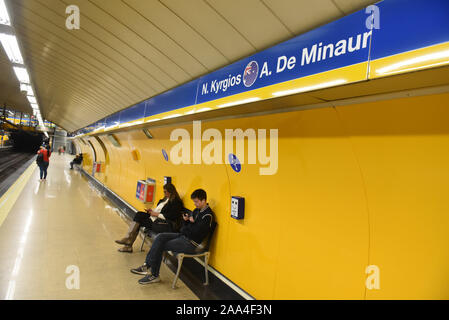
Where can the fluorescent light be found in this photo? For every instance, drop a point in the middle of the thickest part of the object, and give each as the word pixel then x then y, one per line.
pixel 100 128
pixel 427 66
pixel 4 16
pixel 128 124
pixel 11 47
pixel 22 74
pixel 115 124
pixel 234 103
pixel 30 91
pixel 151 120
pixel 172 116
pixel 413 61
pixel 23 87
pixel 310 88
pixel 31 99
pixel 35 106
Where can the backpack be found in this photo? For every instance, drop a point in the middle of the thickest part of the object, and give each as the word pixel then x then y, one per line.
pixel 40 158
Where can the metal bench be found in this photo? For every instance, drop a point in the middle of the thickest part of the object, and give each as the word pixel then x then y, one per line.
pixel 201 251
pixel 147 233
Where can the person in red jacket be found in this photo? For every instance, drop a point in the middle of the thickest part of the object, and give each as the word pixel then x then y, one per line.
pixel 43 160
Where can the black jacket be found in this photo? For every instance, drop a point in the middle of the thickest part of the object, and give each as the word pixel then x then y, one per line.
pixel 172 213
pixel 199 229
pixel 78 160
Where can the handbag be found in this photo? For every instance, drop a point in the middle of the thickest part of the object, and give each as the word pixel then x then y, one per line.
pixel 160 225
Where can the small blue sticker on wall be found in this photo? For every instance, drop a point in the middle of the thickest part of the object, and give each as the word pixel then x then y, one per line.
pixel 164 153
pixel 234 162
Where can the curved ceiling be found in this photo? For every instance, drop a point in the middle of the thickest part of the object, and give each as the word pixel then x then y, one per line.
pixel 10 94
pixel 129 50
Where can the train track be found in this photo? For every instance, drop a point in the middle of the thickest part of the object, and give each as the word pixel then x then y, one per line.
pixel 10 161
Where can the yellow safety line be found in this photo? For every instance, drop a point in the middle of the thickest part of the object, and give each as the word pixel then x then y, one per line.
pixel 9 198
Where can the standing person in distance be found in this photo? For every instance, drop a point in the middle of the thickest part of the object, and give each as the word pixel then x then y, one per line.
pixel 43 161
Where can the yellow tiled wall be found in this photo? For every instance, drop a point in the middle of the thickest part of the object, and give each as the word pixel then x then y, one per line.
pixel 357 185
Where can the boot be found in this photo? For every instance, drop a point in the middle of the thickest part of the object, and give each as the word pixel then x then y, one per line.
pixel 126 249
pixel 129 244
pixel 131 235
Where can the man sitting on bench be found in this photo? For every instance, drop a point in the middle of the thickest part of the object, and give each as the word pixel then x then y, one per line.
pixel 78 159
pixel 195 229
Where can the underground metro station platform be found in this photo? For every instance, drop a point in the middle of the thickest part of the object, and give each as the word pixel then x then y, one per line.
pixel 213 151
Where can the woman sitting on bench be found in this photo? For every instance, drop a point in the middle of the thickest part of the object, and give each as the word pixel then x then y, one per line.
pixel 166 217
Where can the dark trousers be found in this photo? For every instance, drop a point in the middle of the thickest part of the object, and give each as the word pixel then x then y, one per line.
pixel 167 241
pixel 143 219
pixel 158 226
pixel 43 167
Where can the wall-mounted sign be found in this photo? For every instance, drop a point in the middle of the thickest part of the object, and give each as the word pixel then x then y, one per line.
pixel 234 163
pixel 348 43
pixel 145 190
pixel 164 153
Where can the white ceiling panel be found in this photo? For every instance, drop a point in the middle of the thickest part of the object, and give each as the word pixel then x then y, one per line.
pixel 254 20
pixel 212 26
